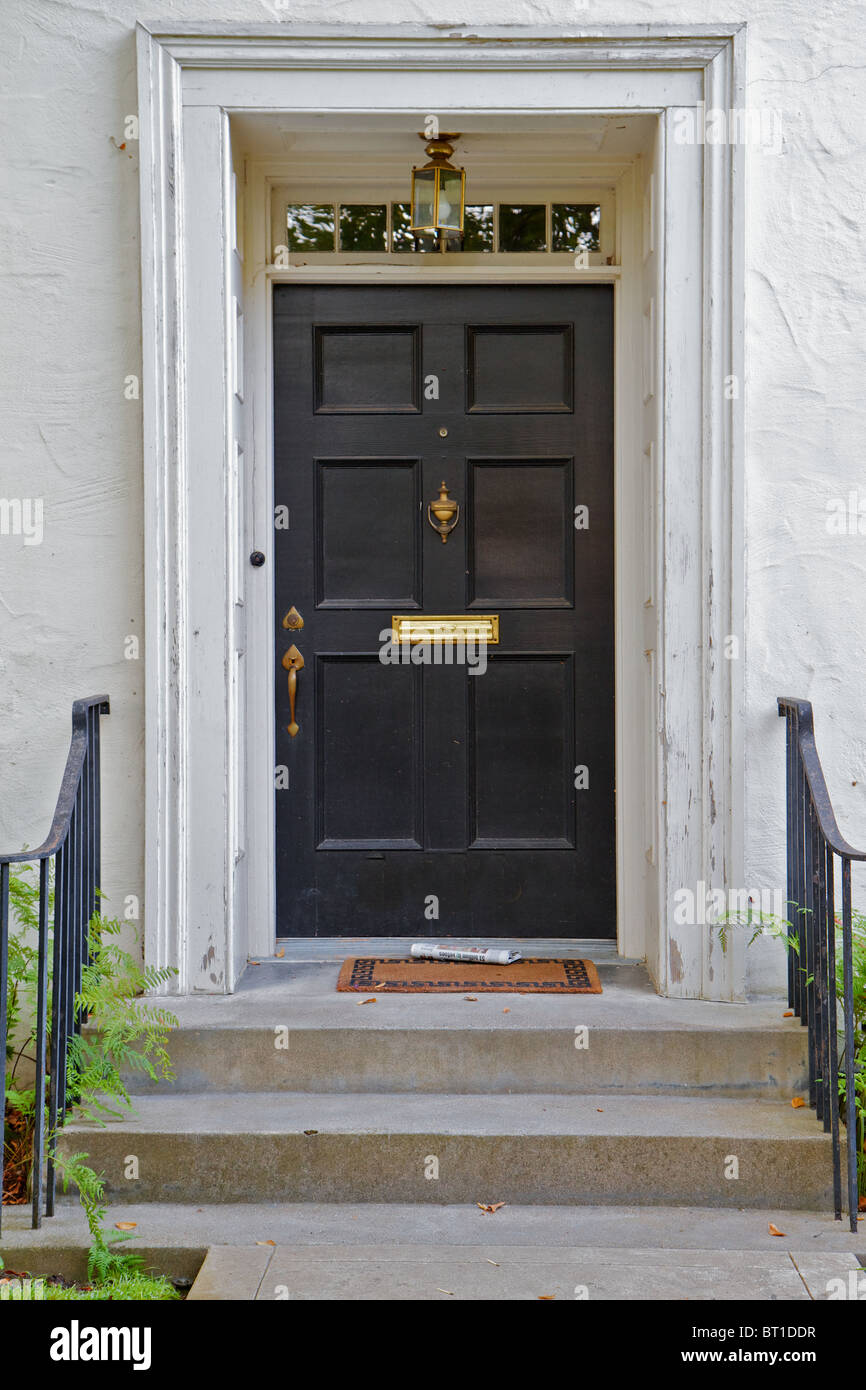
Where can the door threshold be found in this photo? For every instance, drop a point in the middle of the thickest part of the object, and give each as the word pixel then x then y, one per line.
pixel 292 950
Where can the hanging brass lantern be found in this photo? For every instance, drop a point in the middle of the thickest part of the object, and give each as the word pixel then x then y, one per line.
pixel 438 192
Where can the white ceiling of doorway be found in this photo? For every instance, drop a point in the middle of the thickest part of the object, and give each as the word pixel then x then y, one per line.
pixel 495 148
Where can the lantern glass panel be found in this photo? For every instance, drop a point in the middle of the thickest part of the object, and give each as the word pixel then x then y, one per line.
pixel 450 197
pixel 423 197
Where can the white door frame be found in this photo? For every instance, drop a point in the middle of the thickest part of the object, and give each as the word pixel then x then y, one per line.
pixel 679 772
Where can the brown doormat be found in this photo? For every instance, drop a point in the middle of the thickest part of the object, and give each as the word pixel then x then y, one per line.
pixel 405 975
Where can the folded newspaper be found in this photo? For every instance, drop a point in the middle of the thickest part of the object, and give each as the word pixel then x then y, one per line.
pixel 481 954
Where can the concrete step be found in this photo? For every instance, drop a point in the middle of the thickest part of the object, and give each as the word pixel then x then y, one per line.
pixel 769 1062
pixel 288 1029
pixel 538 1148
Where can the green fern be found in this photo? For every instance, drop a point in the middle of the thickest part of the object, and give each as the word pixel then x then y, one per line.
pixel 125 1033
pixel 766 924
pixel 102 1262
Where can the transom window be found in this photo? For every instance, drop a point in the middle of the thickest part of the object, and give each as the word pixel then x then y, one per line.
pixel 488 227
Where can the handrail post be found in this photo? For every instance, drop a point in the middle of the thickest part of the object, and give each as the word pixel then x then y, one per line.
pixel 850 1043
pixel 791 821
pixel 4 999
pixel 833 1034
pixel 41 1042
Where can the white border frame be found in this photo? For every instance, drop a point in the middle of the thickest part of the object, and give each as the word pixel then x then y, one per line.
pixel 188 83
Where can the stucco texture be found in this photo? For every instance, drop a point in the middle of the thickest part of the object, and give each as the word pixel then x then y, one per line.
pixel 71 335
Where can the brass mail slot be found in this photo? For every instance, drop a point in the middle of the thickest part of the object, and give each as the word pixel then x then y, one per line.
pixel 446 627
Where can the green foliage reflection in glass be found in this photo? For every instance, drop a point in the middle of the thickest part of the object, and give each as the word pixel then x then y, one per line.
pixel 478 228
pixel 522 227
pixel 364 227
pixel 574 226
pixel 310 226
pixel 402 238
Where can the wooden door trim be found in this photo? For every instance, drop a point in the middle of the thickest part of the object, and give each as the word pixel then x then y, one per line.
pixel 200 839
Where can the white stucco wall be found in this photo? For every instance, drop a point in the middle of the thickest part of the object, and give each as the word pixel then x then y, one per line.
pixel 71 335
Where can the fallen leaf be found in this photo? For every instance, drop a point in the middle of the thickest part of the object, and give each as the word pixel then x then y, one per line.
pixel 546 1297
pixel 789 1013
pixel 280 953
pixel 599 1109
pixel 470 999
pixel 266 1242
pixel 125 1225
pixel 365 1001
pixel 494 1263
pixel 448 1291
pixel 798 1102
pixel 774 1230
pixel 489 1206
pixel 311 1131
pixel 254 962
pixel 506 1011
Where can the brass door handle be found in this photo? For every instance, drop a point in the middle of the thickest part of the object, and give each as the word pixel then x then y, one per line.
pixel 293 662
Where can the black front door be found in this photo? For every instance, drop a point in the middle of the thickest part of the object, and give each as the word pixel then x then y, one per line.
pixel 443 789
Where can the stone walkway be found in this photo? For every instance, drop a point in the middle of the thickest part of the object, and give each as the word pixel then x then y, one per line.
pixel 490 1272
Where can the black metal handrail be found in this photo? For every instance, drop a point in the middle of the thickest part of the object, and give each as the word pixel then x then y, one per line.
pixel 74 844
pixel 814 845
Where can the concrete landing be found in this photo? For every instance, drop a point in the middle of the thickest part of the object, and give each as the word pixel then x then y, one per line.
pixel 309 990
pixel 180 1225
pixel 698 1253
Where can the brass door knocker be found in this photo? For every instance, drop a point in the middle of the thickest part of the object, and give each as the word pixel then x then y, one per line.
pixel 446 512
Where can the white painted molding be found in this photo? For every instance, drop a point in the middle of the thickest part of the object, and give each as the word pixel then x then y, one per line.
pixel 164 419
pixel 192 915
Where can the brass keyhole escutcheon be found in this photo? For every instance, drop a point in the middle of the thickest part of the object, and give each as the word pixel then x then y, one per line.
pixel 293 620
pixel 445 510
pixel 443 433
